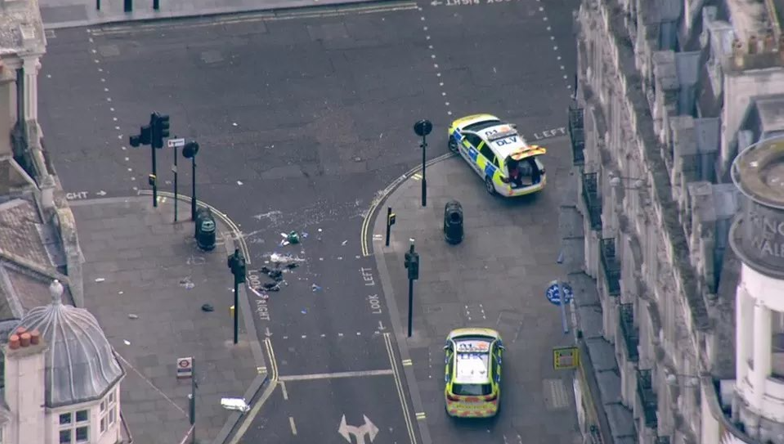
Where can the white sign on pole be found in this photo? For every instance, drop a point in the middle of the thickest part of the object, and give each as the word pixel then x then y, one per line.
pixel 184 367
pixel 176 143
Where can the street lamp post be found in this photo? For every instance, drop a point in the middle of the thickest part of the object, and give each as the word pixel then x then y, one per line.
pixel 189 151
pixel 422 129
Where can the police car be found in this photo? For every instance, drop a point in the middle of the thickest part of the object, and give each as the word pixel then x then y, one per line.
pixel 499 154
pixel 473 372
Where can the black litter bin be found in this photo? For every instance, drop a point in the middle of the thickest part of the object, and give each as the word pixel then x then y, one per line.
pixel 453 222
pixel 205 229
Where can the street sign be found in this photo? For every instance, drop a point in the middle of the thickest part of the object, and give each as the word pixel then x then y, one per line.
pixel 554 296
pixel 175 143
pixel 368 429
pixel 184 367
pixel 566 358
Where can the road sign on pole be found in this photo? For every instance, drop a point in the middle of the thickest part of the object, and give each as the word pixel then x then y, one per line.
pixel 565 358
pixel 176 143
pixel 553 294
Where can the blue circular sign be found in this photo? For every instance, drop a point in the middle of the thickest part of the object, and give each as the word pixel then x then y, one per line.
pixel 553 295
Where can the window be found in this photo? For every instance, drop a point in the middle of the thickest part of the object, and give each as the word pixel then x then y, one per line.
pixel 65 436
pixel 65 418
pixel 108 411
pixel 473 139
pixel 81 434
pixel 487 152
pixel 74 423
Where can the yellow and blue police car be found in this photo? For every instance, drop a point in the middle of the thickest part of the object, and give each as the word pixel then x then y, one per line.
pixel 499 155
pixel 473 372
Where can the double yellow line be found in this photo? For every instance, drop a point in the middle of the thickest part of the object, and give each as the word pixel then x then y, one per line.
pixel 381 197
pixel 272 362
pixel 400 391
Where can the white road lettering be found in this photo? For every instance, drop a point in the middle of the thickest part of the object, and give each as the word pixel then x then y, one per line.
pixel 262 310
pixel 555 132
pixel 375 304
pixel 367 276
pixel 76 195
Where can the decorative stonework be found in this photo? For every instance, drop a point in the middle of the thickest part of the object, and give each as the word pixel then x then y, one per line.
pixel 758 235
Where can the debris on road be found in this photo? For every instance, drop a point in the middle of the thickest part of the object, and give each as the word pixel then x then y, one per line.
pixel 304 311
pixel 271 286
pixel 126 343
pixel 187 283
pixel 133 316
pixel 344 243
pixel 239 182
pixel 207 308
pixel 100 280
pixel 315 287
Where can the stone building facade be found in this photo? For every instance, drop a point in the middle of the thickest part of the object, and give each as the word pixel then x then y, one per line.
pixel 669 91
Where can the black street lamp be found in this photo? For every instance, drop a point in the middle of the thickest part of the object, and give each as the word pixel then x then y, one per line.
pixel 422 129
pixel 189 151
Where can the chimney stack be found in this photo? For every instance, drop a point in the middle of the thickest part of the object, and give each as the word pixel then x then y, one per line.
pixel 13 342
pixel 753 44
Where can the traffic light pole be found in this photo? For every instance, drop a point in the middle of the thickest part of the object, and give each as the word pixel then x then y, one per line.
pixel 236 309
pixel 154 178
pixel 174 169
pixel 412 265
pixel 410 306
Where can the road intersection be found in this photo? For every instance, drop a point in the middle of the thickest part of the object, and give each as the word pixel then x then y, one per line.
pixel 302 119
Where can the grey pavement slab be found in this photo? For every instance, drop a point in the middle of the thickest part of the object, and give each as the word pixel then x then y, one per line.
pixel 145 281
pixel 495 278
pixel 58 14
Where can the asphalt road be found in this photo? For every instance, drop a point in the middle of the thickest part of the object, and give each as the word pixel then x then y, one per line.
pixel 301 121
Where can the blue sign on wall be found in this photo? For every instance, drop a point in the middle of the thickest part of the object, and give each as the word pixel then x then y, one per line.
pixel 552 294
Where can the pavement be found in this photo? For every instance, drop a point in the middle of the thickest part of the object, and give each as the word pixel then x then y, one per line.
pixel 302 121
pixel 59 14
pixel 146 281
pixel 495 278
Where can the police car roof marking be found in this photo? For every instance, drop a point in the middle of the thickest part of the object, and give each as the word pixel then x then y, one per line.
pixel 472 368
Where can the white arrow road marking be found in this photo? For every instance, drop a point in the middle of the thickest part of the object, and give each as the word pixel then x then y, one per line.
pixel 359 433
pixel 267 332
pixel 381 326
pixel 101 193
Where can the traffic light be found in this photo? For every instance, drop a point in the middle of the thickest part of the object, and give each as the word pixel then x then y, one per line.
pixel 236 264
pixel 143 138
pixel 160 129
pixel 412 264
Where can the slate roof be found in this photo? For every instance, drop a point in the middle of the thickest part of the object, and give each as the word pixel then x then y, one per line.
pixel 80 362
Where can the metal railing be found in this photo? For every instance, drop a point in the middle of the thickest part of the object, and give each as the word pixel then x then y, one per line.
pixel 630 334
pixel 577 135
pixel 648 400
pixel 612 268
pixel 593 203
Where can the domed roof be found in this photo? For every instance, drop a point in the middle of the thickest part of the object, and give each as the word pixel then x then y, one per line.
pixel 80 363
